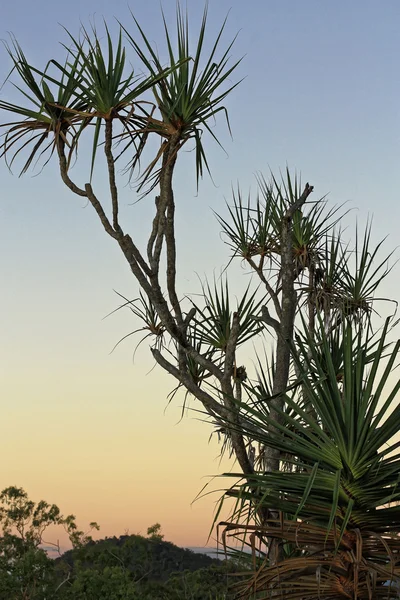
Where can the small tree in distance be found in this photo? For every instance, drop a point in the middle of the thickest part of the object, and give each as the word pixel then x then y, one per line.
pixel 312 282
pixel 154 532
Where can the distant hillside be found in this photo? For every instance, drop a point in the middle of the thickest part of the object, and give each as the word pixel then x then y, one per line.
pixel 149 569
pixel 142 556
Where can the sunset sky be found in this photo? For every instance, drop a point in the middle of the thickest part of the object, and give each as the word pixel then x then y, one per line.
pixel 92 431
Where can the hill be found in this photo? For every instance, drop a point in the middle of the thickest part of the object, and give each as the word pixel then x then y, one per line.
pixel 143 557
pixel 145 568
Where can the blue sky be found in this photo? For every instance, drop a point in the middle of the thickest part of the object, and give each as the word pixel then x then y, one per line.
pixel 320 93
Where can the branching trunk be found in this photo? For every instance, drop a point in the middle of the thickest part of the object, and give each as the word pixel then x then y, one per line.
pixel 284 332
pixel 285 326
pixel 169 309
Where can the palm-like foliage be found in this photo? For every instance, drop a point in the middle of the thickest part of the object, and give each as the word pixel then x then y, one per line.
pixel 192 95
pixel 214 321
pixel 256 230
pixel 94 85
pixel 334 278
pixel 362 275
pixel 48 116
pixel 110 91
pixel 340 501
pixel 143 309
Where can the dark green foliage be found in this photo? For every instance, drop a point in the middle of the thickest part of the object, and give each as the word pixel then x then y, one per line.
pixel 151 559
pixel 110 583
pixel 339 494
pixel 24 573
pixel 125 568
pixel 196 584
pixel 145 568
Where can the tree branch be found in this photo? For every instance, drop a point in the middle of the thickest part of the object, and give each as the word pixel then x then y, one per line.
pixel 288 304
pixel 230 351
pixel 64 170
pixel 213 407
pixel 266 317
pixel 268 286
pixel 308 189
pixel 111 173
pixel 100 212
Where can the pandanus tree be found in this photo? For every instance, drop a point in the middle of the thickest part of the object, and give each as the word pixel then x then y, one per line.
pixel 96 94
pixel 338 497
pixel 309 279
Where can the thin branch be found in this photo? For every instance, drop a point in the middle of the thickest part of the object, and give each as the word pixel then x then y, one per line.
pixel 268 286
pixel 235 432
pixel 64 581
pixel 160 217
pixel 269 320
pixel 111 173
pixel 87 192
pixel 213 407
pixel 204 362
pixel 288 304
pixel 100 212
pixel 64 170
pixel 308 189
pixel 153 234
pixel 128 243
pixel 189 317
pixel 171 260
pixel 231 348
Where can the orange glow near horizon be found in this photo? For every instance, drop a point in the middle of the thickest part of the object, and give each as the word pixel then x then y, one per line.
pixel 100 446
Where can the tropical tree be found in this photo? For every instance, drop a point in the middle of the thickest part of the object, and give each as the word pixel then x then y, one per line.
pixel 96 94
pixel 338 498
pixel 310 279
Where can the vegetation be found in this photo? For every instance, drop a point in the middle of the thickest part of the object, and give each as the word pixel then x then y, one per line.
pixel 126 568
pixel 144 568
pixel 25 568
pixel 313 428
pixel 338 498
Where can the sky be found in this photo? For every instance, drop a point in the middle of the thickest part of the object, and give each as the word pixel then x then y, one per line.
pixel 92 430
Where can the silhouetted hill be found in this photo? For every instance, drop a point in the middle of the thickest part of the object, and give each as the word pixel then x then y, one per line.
pixel 145 558
pixel 132 567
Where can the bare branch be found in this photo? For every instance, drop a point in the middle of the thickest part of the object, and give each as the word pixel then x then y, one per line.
pixel 64 170
pixel 231 348
pixel 288 304
pixel 171 260
pixel 189 317
pixel 273 294
pixel 204 362
pixel 127 244
pixel 269 320
pixel 153 234
pixel 213 407
pixel 87 192
pixel 100 212
pixel 111 173
pixel 300 201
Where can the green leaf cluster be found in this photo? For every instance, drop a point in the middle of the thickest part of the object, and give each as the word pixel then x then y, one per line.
pixel 339 494
pixel 97 89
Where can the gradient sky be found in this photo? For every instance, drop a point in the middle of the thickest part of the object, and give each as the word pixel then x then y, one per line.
pixel 87 429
